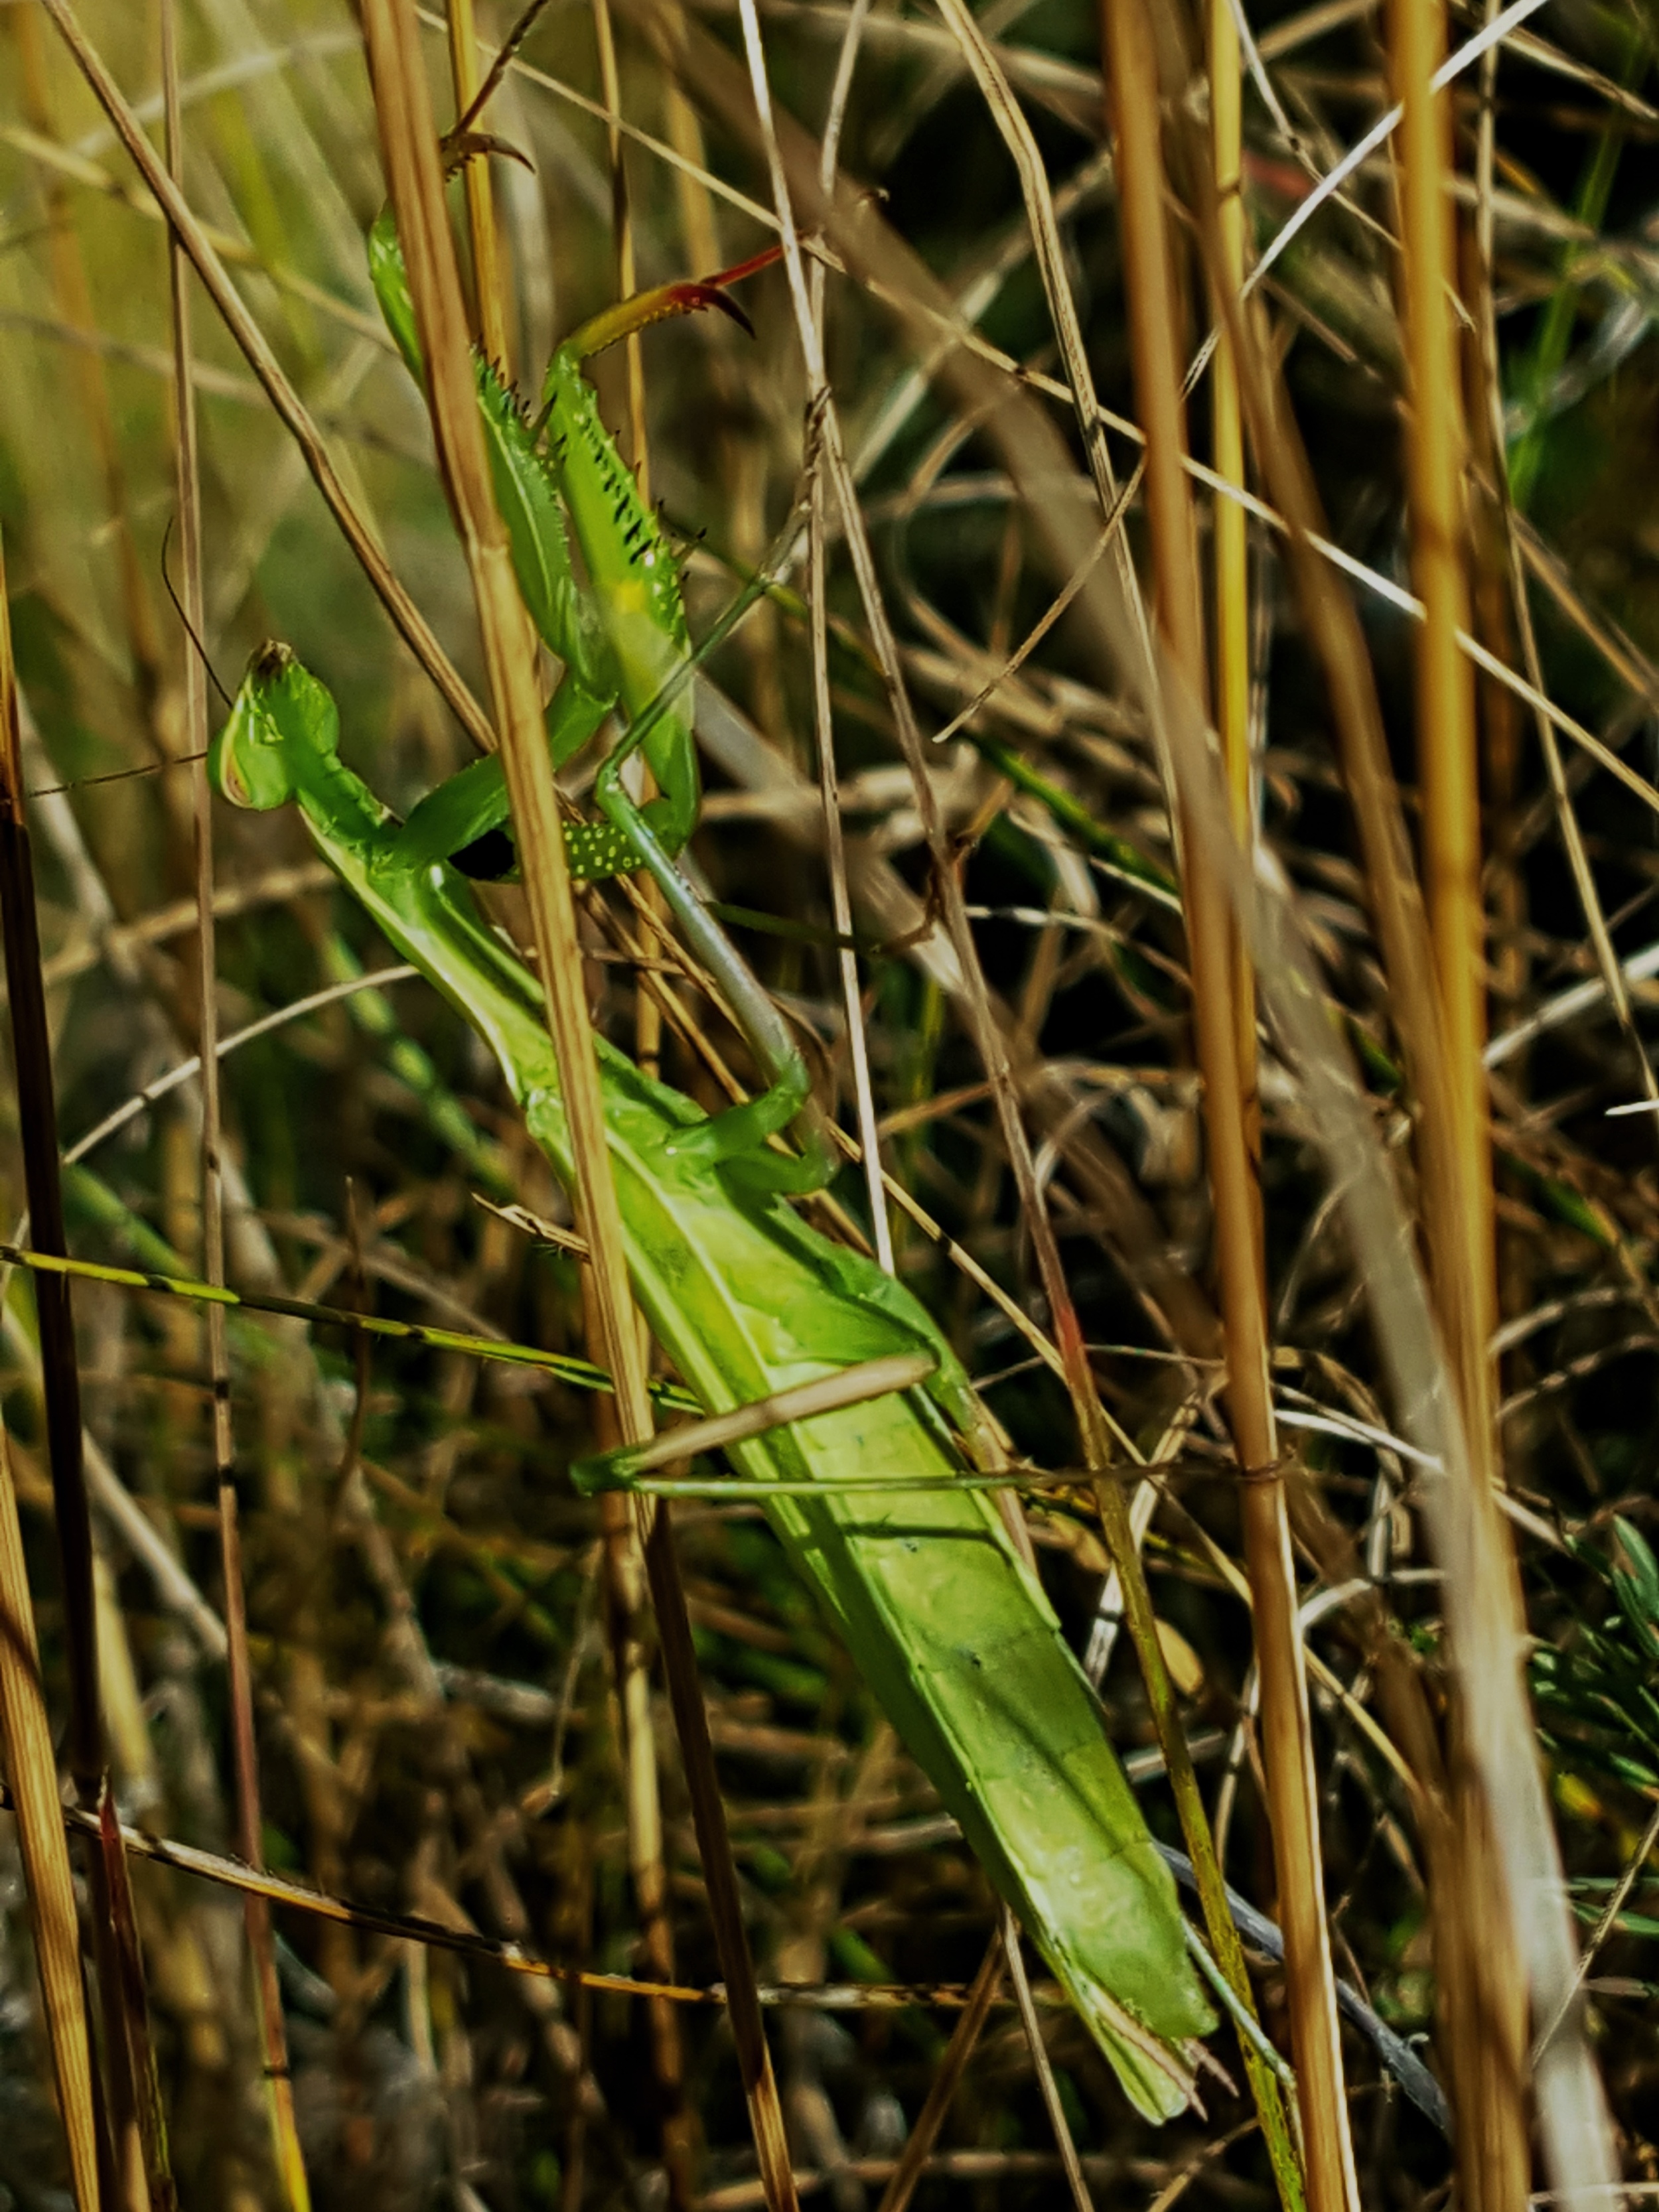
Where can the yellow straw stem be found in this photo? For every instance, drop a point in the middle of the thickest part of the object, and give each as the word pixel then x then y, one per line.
pixel 1229 521
pixel 1485 2000
pixel 1445 688
pixel 1221 983
pixel 480 194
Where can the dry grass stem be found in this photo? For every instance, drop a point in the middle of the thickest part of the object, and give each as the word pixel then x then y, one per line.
pixel 1487 2024
pixel 409 149
pixel 823 728
pixel 486 290
pixel 1218 973
pixel 287 2154
pixel 1071 2164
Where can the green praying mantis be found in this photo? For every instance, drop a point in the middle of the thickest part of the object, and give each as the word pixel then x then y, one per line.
pixel 923 1581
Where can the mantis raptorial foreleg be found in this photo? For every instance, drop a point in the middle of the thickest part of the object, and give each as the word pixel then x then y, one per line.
pixel 616 636
pixel 737 1139
pixel 624 640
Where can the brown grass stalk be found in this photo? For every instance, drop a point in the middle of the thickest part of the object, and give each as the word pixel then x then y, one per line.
pixel 454 1931
pixel 824 722
pixel 159 2189
pixel 866 246
pixel 624 1582
pixel 287 2156
pixel 1071 2164
pixel 121 2178
pixel 1229 520
pixel 480 195
pixel 625 1625
pixel 1488 2032
pixel 947 2080
pixel 409 151
pixel 1223 996
pixel 60 1381
pixel 1446 691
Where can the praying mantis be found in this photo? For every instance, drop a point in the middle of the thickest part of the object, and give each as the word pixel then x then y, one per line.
pixel 923 1581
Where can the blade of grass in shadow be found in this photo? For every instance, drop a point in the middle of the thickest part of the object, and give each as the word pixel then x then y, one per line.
pixel 1222 1000
pixel 1487 423
pixel 38 1123
pixel 409 152
pixel 120 2162
pixel 31 1768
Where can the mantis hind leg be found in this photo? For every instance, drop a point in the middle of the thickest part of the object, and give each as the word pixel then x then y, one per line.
pixel 735 1142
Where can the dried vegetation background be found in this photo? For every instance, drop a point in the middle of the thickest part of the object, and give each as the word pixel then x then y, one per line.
pixel 431 1629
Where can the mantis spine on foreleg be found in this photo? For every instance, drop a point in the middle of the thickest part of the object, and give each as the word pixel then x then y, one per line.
pixel 623 641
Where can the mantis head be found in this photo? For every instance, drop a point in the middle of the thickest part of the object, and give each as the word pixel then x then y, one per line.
pixel 282 720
